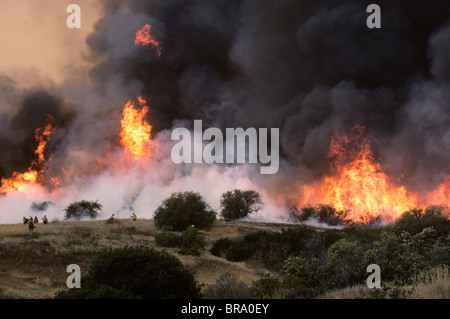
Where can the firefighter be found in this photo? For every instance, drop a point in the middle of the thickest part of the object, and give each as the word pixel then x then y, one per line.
pixel 36 220
pixel 44 219
pixel 31 226
pixel 25 220
pixel 134 217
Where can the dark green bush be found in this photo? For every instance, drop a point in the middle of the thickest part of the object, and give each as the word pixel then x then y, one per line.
pixel 415 220
pixel 168 239
pixel 266 287
pixel 398 256
pixel 84 208
pixel 181 210
pixel 238 203
pixel 189 241
pixel 240 252
pixel 304 277
pixel 135 272
pixel 345 264
pixel 221 247
pixel 270 248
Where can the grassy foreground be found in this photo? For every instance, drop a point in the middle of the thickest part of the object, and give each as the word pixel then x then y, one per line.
pixel 33 264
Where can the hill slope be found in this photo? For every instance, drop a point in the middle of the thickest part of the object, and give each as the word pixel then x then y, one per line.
pixel 33 264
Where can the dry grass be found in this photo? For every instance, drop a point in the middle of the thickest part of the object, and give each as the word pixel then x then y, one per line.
pixel 431 284
pixel 33 264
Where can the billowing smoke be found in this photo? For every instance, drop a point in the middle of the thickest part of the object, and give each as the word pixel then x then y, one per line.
pixel 309 68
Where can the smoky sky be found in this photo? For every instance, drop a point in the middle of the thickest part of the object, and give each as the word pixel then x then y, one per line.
pixel 310 68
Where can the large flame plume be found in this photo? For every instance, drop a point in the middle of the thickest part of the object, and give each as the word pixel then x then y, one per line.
pixel 136 132
pixel 357 183
pixel 22 181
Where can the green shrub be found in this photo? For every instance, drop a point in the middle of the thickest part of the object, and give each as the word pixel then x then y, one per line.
pixel 168 239
pixel 239 252
pixel 189 241
pixel 238 203
pixel 304 277
pixel 181 210
pixel 221 246
pixel 135 272
pixel 266 287
pixel 269 248
pixel 84 208
pixel 415 220
pixel 396 257
pixel 227 287
pixel 345 264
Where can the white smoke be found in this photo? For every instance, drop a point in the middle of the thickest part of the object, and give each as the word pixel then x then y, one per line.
pixel 142 189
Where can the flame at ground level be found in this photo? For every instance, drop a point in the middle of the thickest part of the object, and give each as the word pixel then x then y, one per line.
pixel 21 181
pixel 359 186
pixel 356 182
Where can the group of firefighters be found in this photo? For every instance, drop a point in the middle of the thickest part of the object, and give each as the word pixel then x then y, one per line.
pixel 32 221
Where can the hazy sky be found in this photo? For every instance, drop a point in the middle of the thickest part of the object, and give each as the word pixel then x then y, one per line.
pixel 33 34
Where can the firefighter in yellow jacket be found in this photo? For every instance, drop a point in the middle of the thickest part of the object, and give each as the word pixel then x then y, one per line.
pixel 31 226
pixel 134 217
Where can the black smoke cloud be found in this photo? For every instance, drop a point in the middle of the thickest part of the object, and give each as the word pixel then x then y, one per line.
pixel 311 68
pixel 23 112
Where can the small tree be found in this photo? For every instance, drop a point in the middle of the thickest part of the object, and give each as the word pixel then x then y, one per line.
pixel 238 203
pixel 182 210
pixel 84 208
pixel 42 206
pixel 265 287
pixel 189 241
pixel 416 220
pixel 135 272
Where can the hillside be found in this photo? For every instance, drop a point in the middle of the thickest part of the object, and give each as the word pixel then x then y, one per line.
pixel 33 265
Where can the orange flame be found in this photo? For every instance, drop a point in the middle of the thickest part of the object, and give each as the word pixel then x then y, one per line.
pixel 144 38
pixel 22 181
pixel 359 185
pixel 42 139
pixel 19 181
pixel 441 196
pixel 135 134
